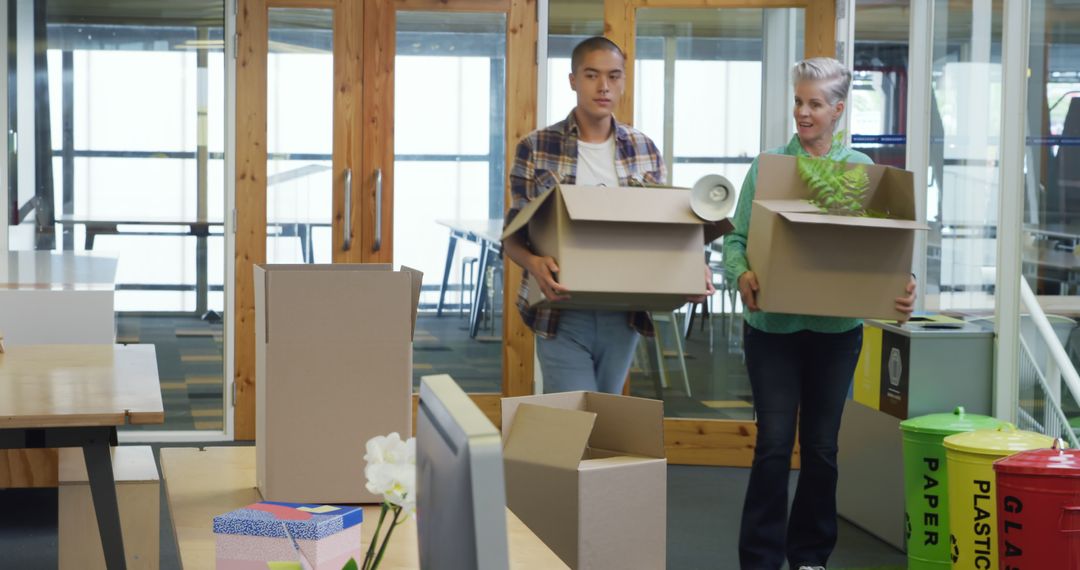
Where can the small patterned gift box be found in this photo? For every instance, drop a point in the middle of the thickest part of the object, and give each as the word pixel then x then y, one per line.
pixel 326 536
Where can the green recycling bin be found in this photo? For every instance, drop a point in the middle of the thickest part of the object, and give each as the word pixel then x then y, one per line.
pixel 926 484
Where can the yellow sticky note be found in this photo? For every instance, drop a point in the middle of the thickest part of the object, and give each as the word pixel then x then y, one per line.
pixel 319 510
pixel 284 566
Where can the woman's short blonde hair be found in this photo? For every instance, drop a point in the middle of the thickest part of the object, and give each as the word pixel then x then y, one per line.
pixel 835 78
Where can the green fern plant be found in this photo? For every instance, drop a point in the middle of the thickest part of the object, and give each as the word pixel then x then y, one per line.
pixel 836 189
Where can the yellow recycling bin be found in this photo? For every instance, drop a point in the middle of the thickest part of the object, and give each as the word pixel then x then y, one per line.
pixel 972 499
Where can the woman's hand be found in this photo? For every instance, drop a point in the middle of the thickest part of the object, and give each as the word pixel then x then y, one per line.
pixel 709 289
pixel 748 288
pixel 543 269
pixel 907 304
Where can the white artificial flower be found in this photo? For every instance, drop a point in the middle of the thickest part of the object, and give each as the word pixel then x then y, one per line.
pixel 388 449
pixel 379 478
pixel 391 471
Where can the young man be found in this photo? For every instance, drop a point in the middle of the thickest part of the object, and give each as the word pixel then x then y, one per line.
pixel 580 349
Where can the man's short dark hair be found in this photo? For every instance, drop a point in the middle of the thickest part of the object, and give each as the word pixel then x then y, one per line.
pixel 590 45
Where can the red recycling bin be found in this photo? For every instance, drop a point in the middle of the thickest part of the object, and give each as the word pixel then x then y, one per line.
pixel 1038 502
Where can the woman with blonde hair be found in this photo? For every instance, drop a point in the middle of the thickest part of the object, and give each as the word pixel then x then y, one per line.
pixel 800 366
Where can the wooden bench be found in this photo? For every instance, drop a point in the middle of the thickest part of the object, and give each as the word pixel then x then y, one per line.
pixel 138 493
pixel 203 483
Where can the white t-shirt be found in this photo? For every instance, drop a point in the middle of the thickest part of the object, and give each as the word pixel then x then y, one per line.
pixel 596 164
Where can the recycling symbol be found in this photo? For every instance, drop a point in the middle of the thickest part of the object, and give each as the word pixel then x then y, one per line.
pixel 896 367
pixel 955 548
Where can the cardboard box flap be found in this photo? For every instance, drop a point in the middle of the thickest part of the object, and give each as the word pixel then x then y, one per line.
pixel 277 267
pixel 525 214
pixel 778 179
pixel 417 282
pixel 549 436
pixel 564 400
pixel 624 424
pixel 629 204
pixel 852 221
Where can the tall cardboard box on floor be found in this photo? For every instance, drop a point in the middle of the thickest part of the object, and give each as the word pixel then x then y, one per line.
pixel 586 472
pixel 811 263
pixel 619 248
pixel 333 369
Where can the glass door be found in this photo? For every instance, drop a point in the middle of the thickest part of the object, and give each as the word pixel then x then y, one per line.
pixel 299 135
pixel 449 164
pixel 734 59
pixel 116 190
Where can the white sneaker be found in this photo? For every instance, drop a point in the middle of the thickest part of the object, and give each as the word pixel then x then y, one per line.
pixel 811 568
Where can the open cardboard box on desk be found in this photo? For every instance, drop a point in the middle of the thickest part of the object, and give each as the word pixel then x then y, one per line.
pixel 619 248
pixel 586 472
pixel 812 263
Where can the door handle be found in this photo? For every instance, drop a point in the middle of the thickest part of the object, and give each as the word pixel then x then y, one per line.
pixel 347 223
pixel 378 210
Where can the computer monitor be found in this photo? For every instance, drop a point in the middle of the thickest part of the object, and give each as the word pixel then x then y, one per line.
pixel 460 494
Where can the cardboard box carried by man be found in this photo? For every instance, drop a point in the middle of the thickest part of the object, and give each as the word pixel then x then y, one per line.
pixel 811 263
pixel 626 248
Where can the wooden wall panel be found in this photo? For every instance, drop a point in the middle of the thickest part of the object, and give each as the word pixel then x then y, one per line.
pixel 712 442
pixel 521 85
pixel 28 468
pixel 490 404
pixel 250 200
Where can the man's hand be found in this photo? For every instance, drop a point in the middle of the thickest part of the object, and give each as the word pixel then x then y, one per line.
pixel 709 289
pixel 543 269
pixel 907 304
pixel 748 288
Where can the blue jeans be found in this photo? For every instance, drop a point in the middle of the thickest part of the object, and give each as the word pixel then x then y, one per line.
pixel 800 378
pixel 591 351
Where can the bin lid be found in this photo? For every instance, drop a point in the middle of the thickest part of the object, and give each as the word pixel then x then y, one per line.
pixel 1005 440
pixel 1056 461
pixel 947 424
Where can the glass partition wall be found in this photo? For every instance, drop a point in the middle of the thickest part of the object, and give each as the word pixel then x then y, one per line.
pixel 116 113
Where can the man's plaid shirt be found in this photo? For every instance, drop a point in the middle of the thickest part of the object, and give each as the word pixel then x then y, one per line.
pixel 549 156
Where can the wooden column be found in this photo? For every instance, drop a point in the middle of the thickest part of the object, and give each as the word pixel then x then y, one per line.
pixel 521 85
pixel 251 30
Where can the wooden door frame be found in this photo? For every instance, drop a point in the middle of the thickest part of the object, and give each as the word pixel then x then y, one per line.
pixel 688 441
pixel 365 74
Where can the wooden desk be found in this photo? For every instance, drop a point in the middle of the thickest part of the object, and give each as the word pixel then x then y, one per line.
pixel 201 484
pixel 76 396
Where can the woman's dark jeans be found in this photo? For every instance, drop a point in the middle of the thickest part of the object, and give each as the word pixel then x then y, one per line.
pixel 799 378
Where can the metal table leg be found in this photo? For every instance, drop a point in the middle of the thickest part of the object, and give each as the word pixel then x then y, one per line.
pixel 103 489
pixel 480 291
pixel 446 271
